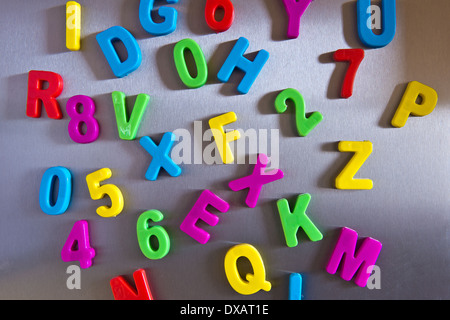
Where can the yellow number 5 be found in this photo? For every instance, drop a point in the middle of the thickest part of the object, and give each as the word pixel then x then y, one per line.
pixel 98 192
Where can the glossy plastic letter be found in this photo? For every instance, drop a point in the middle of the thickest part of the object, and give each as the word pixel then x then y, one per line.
pixel 389 23
pixel 292 221
pixel 128 126
pixel 295 286
pixel 362 150
pixel 253 282
pixel 158 29
pixel 295 10
pixel 120 68
pixel 38 96
pixel 223 139
pixel 73 25
pixel 199 212
pixel 122 290
pixel 408 105
pixel 160 156
pixel 236 59
pixel 362 261
pixel 256 180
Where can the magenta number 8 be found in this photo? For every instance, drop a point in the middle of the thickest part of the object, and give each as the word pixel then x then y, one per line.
pixel 78 118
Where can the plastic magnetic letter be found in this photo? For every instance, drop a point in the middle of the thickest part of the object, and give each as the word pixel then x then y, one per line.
pixel 354 57
pixel 47 188
pixel 210 14
pixel 122 290
pixel 253 282
pixel 128 126
pixel 256 180
pixel 295 286
pixel 389 23
pixel 295 10
pixel 77 246
pixel 106 39
pixel 364 259
pixel 160 156
pixel 38 96
pixel 304 125
pixel 199 59
pixel 362 150
pixel 408 105
pixel 98 191
pixel 199 212
pixel 158 29
pixel 223 139
pixel 236 59
pixel 73 25
pixel 86 117
pixel 145 232
pixel 292 221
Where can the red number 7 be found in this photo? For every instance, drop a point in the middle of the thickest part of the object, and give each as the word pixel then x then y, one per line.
pixel 355 57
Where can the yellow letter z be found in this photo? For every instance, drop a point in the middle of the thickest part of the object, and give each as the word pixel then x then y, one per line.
pixel 345 179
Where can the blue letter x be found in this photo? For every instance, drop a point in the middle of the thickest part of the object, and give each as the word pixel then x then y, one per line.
pixel 161 157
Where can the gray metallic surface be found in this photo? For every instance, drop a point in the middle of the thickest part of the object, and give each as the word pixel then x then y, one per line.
pixel 407 210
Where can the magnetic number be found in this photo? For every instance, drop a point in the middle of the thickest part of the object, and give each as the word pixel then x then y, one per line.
pixel 77 247
pixel 144 233
pixel 354 57
pixel 210 14
pixel 98 192
pixel 47 188
pixel 86 117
